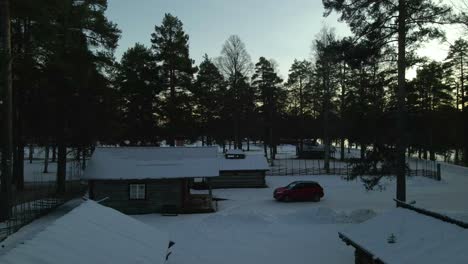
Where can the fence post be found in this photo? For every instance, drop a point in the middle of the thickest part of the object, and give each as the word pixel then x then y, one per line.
pixel 439 176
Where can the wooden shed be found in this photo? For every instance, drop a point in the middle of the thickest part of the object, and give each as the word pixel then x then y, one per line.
pixel 241 170
pixel 408 235
pixel 142 180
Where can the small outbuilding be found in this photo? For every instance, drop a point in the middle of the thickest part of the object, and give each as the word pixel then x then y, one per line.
pixel 408 235
pixel 241 170
pixel 92 233
pixel 142 180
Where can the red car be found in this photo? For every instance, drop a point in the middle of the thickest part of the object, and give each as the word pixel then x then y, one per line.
pixel 299 191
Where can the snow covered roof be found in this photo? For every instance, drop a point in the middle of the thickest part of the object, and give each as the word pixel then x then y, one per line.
pixel 92 233
pixel 152 163
pixel 250 162
pixel 418 238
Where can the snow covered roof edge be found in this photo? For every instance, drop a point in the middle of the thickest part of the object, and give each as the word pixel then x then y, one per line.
pixel 435 215
pixel 349 241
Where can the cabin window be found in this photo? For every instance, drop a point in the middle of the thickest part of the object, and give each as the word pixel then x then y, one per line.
pixel 137 191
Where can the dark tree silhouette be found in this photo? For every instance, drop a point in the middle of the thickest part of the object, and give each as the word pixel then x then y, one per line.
pixel 235 64
pixel 404 22
pixel 7 109
pixel 268 89
pixel 210 94
pixel 171 48
pixel 138 82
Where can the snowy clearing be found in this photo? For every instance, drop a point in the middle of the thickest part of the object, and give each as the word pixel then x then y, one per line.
pixel 250 227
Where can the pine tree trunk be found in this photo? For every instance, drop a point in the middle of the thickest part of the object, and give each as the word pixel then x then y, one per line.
pixel 7 129
pixel 301 112
pixel 54 153
pixel 238 140
pixel 464 114
pixel 459 119
pixel 270 127
pixel 342 148
pixel 46 159
pixel 18 167
pixel 20 183
pixel 342 139
pixel 363 151
pixel 465 149
pixel 61 166
pixel 172 106
pixel 401 98
pixel 31 153
pixel 84 152
pixel 465 156
pixel 326 139
pixel 18 155
pixel 462 82
pixel 271 148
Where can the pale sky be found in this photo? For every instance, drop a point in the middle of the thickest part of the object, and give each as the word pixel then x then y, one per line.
pixel 282 30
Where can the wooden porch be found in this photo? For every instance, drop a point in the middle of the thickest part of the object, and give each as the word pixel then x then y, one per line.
pixel 199 203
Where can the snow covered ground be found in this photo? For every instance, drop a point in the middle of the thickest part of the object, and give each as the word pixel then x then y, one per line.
pixel 250 227
pixel 33 172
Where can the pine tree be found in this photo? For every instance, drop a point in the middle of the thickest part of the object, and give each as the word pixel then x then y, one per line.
pixel 457 60
pixel 326 67
pixel 138 84
pixel 408 23
pixel 342 49
pixel 434 95
pixel 171 47
pixel 267 85
pixel 209 92
pixel 300 88
pixel 82 37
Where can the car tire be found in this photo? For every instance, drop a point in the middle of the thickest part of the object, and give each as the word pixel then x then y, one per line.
pixel 287 199
pixel 316 198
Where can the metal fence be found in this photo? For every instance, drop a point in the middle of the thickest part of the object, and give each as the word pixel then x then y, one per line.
pixel 39 198
pixel 291 166
pixel 297 167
